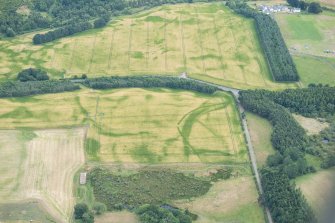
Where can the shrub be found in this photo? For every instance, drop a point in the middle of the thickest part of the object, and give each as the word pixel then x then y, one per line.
pixel 32 74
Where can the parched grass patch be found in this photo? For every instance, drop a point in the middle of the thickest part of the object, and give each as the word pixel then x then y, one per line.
pixel 260 132
pixel 311 125
pixel 207 41
pixel 144 187
pixel 233 200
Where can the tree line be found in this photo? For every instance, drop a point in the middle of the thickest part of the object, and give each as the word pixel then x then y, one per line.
pixel 285 202
pixel 23 89
pixel 61 32
pixel 279 59
pixel 149 82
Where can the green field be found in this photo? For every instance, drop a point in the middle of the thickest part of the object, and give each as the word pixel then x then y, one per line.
pixel 207 41
pixel 316 69
pixel 307 37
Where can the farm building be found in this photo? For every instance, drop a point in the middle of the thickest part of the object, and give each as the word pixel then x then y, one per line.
pixel 82 179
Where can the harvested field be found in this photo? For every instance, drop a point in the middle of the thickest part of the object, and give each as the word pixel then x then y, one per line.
pixel 140 126
pixel 207 41
pixel 40 165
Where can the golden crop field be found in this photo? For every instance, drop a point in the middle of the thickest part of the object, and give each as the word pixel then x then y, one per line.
pixel 40 165
pixel 207 41
pixel 137 125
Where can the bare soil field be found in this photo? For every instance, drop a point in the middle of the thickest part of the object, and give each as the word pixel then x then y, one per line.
pixel 40 165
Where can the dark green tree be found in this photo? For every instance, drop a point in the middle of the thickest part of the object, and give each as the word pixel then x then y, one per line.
pixel 79 210
pixel 315 8
pixel 293 3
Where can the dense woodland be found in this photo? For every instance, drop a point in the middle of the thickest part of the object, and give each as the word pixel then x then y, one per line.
pixel 292 143
pixel 57 13
pixel 279 59
pixel 149 82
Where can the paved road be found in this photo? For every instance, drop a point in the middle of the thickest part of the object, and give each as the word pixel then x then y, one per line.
pixel 252 155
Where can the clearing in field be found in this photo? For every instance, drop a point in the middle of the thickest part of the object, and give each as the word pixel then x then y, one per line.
pixel 40 165
pixel 141 126
pixel 308 37
pixel 207 41
pixel 311 125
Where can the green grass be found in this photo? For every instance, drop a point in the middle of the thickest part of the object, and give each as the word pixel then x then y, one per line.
pixel 92 148
pixel 318 70
pixel 304 27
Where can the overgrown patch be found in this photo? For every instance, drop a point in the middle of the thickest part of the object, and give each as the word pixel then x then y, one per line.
pixel 145 187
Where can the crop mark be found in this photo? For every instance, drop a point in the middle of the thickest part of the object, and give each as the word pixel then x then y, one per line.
pixel 230 130
pixel 93 51
pixel 182 41
pixel 148 50
pixel 261 66
pixel 200 42
pixel 219 45
pixel 111 50
pixel 129 43
pixel 165 41
pixel 72 53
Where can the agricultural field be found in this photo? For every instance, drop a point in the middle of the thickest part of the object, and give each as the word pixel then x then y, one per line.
pixel 307 37
pixel 207 41
pixel 40 165
pixel 179 130
pixel 135 125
